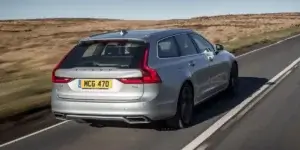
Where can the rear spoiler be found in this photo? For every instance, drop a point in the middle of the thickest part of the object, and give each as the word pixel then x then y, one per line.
pixel 89 39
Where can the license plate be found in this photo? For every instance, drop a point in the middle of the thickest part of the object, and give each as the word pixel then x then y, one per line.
pixel 95 84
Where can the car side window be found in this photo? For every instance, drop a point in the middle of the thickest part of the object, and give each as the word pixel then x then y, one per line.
pixel 202 43
pixel 168 48
pixel 186 45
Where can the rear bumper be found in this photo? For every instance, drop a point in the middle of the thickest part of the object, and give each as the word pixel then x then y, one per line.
pixel 129 112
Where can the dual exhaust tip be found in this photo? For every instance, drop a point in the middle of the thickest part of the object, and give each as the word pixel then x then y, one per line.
pixel 82 118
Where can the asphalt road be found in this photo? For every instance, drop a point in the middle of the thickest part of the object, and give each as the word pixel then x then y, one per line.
pixel 274 124
pixel 255 70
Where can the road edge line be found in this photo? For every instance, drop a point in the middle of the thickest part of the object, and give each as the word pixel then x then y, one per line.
pixel 233 112
pixel 264 47
pixel 32 134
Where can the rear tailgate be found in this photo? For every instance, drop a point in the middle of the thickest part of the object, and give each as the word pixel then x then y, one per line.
pixel 97 69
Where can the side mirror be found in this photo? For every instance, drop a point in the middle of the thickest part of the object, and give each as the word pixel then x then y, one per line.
pixel 219 47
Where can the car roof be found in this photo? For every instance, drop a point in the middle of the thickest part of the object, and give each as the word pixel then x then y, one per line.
pixel 141 34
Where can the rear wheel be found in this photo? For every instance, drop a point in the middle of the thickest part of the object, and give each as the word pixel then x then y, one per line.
pixel 185 107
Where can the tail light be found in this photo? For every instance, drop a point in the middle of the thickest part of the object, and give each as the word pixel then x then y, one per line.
pixel 149 75
pixel 56 79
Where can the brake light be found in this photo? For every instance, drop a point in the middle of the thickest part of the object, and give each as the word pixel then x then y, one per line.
pixel 56 79
pixel 131 80
pixel 149 75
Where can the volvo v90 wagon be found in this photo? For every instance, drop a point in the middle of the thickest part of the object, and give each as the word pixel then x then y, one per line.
pixel 141 76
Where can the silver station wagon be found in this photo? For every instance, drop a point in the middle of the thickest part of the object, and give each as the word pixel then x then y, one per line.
pixel 141 76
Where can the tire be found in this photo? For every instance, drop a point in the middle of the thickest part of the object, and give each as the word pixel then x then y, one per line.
pixel 185 107
pixel 232 88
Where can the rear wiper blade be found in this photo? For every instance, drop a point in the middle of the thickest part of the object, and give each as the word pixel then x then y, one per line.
pixel 110 65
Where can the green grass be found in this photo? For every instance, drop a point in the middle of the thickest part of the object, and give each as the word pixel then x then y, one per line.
pixel 273 36
pixel 23 95
pixel 24 91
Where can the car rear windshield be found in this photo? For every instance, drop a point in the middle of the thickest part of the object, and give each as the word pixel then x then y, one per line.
pixel 119 54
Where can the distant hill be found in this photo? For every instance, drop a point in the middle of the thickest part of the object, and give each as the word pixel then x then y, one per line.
pixel 51 37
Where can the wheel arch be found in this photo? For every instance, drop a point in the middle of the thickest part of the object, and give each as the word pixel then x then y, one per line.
pixel 187 81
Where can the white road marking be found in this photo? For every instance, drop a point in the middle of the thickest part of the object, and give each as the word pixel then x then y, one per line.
pixel 64 122
pixel 32 134
pixel 233 112
pixel 268 46
pixel 253 103
pixel 203 147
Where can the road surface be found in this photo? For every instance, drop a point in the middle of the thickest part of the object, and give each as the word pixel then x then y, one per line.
pixel 274 124
pixel 255 70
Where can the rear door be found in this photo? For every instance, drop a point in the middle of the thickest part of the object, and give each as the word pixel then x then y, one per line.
pixel 98 68
pixel 197 64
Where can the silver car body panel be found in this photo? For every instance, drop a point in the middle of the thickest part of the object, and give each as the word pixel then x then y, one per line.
pixel 152 101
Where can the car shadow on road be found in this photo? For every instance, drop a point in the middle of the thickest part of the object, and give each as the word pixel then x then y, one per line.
pixel 222 103
pixel 212 107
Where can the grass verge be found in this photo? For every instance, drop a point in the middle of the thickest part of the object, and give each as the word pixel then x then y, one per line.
pixel 32 93
pixel 25 95
pixel 265 38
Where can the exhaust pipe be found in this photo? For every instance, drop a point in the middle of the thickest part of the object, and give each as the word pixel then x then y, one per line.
pixel 136 120
pixel 60 116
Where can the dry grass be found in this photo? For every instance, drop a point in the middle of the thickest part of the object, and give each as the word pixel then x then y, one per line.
pixel 30 48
